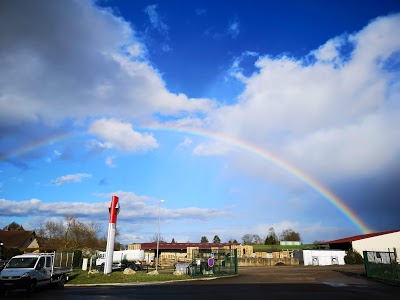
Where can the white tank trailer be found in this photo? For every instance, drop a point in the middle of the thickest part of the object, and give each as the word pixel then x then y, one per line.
pixel 124 258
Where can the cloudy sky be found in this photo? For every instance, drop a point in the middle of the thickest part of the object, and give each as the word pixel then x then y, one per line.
pixel 242 117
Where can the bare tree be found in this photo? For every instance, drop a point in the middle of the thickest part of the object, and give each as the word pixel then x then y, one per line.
pixel 247 239
pixel 70 234
pixel 257 240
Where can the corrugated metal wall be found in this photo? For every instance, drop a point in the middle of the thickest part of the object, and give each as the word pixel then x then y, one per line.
pixel 379 243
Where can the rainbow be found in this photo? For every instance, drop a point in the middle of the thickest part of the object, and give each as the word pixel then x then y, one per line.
pixel 289 168
pixel 37 144
pixel 257 151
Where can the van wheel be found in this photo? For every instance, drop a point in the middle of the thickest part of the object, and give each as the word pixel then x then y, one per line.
pixel 31 288
pixel 61 283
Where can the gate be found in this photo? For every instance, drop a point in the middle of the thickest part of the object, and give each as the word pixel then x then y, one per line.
pixel 382 265
pixel 213 262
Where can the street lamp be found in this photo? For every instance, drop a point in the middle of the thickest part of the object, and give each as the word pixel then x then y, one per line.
pixel 158 234
pixel 1 250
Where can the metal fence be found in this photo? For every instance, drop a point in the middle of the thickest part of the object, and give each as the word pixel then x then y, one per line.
pixel 72 259
pixel 382 265
pixel 207 262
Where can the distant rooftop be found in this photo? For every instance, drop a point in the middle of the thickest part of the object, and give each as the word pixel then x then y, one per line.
pixel 357 237
pixel 185 245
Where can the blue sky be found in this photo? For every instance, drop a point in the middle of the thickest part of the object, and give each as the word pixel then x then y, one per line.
pixel 154 101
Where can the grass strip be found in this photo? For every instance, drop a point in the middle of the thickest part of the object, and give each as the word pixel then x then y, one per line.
pixel 83 277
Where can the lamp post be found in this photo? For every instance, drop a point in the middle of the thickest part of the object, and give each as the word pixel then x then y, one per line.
pixel 158 234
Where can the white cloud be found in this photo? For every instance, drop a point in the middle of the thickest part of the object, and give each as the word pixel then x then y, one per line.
pixel 92 65
pixel 233 29
pixel 333 118
pixel 110 162
pixel 135 50
pixel 200 11
pixel 140 209
pixel 96 146
pixel 155 19
pixel 237 71
pixel 71 178
pixel 308 232
pixel 122 136
pixel 186 143
pixel 132 206
pixel 211 148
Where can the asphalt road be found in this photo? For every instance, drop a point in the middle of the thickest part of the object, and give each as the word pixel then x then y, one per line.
pixel 341 282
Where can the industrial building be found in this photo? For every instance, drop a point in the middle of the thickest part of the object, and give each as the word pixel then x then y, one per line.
pixel 320 257
pixel 378 241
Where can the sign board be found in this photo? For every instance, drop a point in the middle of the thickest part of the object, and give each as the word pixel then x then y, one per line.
pixel 210 262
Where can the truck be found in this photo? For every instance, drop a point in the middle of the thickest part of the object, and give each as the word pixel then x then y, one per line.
pixel 123 259
pixel 32 270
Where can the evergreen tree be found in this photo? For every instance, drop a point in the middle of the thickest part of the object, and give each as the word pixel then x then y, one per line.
pixel 216 239
pixel 271 238
pixel 13 226
pixel 204 239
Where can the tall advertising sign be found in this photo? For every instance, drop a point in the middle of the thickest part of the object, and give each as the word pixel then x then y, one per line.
pixel 114 210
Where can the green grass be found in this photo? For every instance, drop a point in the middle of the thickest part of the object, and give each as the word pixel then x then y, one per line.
pixel 273 248
pixel 82 277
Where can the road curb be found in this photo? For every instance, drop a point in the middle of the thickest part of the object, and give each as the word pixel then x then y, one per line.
pixel 148 282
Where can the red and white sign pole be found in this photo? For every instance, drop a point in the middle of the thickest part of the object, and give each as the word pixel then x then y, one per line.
pixel 114 209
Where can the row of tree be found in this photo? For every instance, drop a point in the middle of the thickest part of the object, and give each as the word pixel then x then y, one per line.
pixel 271 238
pixel 74 234
pixel 215 240
pixel 68 234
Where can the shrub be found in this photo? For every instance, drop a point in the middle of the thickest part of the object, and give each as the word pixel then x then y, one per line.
pixel 353 258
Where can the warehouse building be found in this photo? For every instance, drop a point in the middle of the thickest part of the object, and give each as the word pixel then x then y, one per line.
pixel 378 241
pixel 320 257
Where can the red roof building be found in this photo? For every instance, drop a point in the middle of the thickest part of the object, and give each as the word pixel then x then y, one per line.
pixel 20 239
pixel 184 246
pixel 377 241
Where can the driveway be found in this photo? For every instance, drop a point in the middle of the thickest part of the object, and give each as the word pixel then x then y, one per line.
pixel 339 282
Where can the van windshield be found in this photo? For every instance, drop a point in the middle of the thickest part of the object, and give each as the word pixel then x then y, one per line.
pixel 23 262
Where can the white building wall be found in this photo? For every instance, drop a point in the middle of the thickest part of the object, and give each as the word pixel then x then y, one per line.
pixel 322 257
pixel 379 243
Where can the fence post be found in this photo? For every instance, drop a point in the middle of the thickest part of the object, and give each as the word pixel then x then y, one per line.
pixel 396 263
pixel 366 265
pixel 236 261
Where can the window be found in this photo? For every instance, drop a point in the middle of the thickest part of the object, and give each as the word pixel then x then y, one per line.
pixel 41 263
pixel 26 262
pixel 48 262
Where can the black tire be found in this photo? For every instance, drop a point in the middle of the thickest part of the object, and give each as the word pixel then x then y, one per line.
pixel 135 267
pixel 32 287
pixel 61 282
